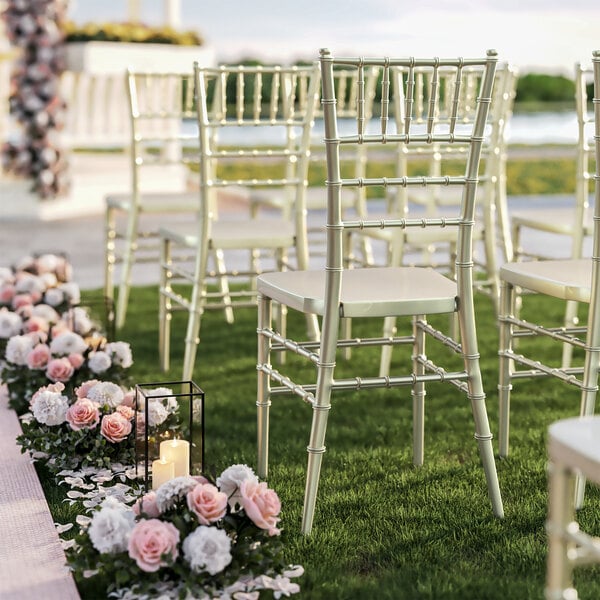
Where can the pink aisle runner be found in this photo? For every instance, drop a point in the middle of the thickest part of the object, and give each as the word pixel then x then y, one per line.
pixel 32 561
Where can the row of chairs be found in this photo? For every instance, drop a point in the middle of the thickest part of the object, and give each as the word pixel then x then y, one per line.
pixel 451 115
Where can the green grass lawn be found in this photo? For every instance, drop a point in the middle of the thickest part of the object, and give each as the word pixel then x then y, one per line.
pixel 383 528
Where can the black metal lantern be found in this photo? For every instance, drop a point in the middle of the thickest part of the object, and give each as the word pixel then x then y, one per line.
pixel 169 431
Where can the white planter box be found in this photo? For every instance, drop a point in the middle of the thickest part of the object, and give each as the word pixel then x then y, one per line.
pixel 115 57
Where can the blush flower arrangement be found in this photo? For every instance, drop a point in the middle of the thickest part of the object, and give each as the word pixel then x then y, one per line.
pixel 190 538
pixel 33 360
pixel 93 428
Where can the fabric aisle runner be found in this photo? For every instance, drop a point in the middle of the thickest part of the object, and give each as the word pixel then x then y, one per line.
pixel 32 561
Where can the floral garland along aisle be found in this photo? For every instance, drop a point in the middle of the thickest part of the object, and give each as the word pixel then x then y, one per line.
pixel 190 538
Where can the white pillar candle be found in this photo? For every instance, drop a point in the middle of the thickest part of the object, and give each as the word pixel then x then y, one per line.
pixel 162 471
pixel 178 452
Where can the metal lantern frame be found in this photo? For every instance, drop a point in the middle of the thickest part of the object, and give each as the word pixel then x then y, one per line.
pixel 195 412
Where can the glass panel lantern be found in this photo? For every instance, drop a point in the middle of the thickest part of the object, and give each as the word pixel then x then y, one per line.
pixel 169 431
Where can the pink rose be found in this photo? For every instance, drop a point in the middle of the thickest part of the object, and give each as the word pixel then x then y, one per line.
pixel 149 541
pixel 36 324
pixel 7 293
pixel 38 357
pixel 76 359
pixel 20 300
pixel 147 505
pixel 59 369
pixel 207 503
pixel 84 414
pixel 126 411
pixel 84 388
pixel 261 504
pixel 115 428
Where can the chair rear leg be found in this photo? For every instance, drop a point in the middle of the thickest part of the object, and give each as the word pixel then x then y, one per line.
pixel 571 320
pixel 164 307
pixel 192 336
pixel 389 331
pixel 128 259
pixel 109 253
pixel 224 284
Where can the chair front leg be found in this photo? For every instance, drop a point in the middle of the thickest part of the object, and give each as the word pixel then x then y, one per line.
pixel 263 394
pixel 507 308
pixel 561 513
pixel 418 392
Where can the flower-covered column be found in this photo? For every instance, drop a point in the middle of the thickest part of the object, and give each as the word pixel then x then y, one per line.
pixel 35 28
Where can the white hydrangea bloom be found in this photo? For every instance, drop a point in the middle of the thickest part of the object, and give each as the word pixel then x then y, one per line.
pixel 6 275
pixel 28 283
pixel 79 319
pixel 173 490
pixel 54 297
pixel 50 408
pixel 231 479
pixel 71 291
pixel 17 349
pixel 50 280
pixel 106 393
pixel 99 361
pixel 110 527
pixel 67 343
pixel 157 413
pixel 45 312
pixel 10 324
pixel 207 549
pixel 120 352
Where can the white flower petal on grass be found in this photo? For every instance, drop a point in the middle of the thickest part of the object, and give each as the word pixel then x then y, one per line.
pixel 207 549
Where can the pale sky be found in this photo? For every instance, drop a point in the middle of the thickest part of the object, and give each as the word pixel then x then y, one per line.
pixel 538 35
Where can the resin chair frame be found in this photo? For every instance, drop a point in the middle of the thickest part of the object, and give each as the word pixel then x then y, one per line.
pixel 573 221
pixel 335 293
pixel 279 102
pixel 573 451
pixel 158 103
pixel 572 280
